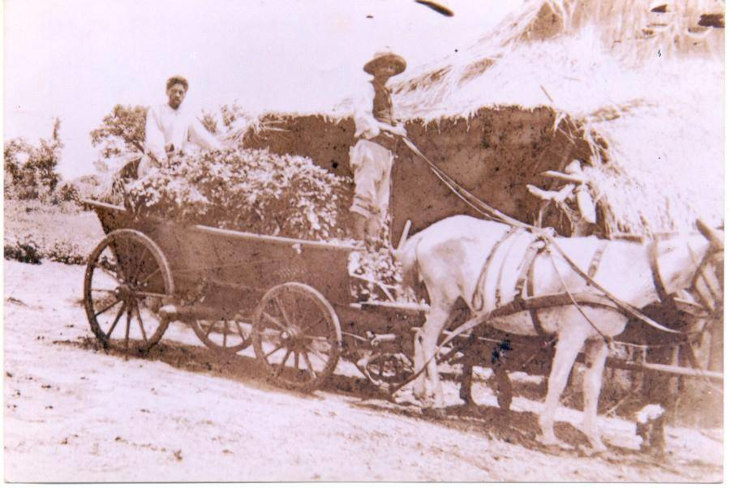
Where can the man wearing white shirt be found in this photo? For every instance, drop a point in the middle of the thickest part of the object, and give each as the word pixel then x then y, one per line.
pixel 170 128
pixel 372 157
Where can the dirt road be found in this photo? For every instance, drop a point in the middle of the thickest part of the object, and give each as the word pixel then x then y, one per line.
pixel 76 413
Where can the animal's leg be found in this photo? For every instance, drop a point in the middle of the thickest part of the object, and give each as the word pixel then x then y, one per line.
pixel 566 350
pixel 465 389
pixel 467 368
pixel 419 384
pixel 436 320
pixel 596 353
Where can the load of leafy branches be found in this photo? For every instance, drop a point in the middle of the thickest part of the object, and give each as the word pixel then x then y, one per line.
pixel 250 190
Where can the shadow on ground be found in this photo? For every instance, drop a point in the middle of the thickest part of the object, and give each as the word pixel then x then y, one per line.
pixel 519 428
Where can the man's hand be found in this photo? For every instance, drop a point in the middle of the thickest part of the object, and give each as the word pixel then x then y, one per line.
pixel 398 130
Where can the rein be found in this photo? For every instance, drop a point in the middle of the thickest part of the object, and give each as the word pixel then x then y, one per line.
pixel 491 213
pixel 487 211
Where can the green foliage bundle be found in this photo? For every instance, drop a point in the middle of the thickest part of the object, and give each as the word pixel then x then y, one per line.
pixel 251 190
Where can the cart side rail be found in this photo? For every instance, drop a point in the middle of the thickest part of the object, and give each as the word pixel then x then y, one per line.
pixel 236 234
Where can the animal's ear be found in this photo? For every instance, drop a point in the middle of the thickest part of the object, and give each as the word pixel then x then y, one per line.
pixel 715 237
pixel 690 307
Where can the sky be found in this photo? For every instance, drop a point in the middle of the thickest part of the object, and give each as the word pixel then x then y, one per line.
pixel 76 59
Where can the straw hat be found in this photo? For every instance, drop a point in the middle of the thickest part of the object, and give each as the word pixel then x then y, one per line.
pixel 381 60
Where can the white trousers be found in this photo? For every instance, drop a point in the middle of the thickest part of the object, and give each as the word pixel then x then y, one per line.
pixel 371 164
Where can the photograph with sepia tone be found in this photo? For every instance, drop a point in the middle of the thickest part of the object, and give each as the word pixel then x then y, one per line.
pixel 363 241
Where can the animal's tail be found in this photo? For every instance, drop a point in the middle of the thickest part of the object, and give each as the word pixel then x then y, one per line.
pixel 407 256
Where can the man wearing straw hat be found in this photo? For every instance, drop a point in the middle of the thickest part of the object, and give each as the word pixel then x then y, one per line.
pixel 169 128
pixel 372 156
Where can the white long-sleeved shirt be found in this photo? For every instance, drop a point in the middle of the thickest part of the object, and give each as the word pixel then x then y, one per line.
pixel 166 126
pixel 366 125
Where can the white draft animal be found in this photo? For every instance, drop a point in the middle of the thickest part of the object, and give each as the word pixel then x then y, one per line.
pixel 449 257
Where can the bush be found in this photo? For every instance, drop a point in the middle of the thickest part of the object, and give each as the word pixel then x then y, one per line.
pixel 28 250
pixel 66 253
pixel 36 231
pixel 25 250
pixel 68 193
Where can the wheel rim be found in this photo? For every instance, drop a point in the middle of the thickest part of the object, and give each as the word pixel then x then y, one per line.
pixel 227 335
pixel 127 279
pixel 296 336
pixel 390 368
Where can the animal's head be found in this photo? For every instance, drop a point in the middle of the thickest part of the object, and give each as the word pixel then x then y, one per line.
pixel 692 268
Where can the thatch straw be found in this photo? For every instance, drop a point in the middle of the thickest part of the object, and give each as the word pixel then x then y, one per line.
pixel 632 29
pixel 649 98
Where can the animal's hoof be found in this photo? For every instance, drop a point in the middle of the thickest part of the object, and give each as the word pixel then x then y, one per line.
pixel 594 449
pixel 552 441
pixel 468 399
pixel 404 397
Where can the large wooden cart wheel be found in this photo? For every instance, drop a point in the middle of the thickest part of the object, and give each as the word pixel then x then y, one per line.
pixel 296 336
pixel 127 280
pixel 227 335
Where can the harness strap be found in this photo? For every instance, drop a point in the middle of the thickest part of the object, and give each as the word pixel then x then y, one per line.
pixel 655 275
pixel 528 264
pixel 498 288
pixel 626 307
pixel 536 323
pixel 596 261
pixel 477 299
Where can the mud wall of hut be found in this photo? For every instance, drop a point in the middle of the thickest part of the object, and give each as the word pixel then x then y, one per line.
pixel 494 154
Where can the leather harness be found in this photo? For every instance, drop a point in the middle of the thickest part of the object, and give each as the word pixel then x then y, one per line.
pixel 524 298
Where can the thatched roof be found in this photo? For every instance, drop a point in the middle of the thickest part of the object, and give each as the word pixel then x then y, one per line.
pixel 645 77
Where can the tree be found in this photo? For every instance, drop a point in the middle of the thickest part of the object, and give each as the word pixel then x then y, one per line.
pixel 121 132
pixel 30 171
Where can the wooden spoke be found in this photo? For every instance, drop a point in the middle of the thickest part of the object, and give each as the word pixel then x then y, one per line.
pixel 280 368
pixel 277 301
pixel 307 326
pixel 210 329
pixel 116 320
pixel 223 335
pixel 316 338
pixel 107 307
pixel 277 348
pixel 103 290
pixel 141 324
pixel 273 319
pixel 310 368
pixel 240 330
pixel 315 328
pixel 149 277
pixel 109 272
pixel 316 353
pixel 126 332
pixel 124 255
pixel 149 294
pixel 143 259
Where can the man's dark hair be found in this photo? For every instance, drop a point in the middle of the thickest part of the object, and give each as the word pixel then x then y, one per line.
pixel 174 80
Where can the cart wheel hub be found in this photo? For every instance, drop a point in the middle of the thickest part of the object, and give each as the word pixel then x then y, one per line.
pixel 291 334
pixel 124 292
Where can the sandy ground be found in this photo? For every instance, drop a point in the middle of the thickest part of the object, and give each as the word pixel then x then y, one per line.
pixel 76 413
